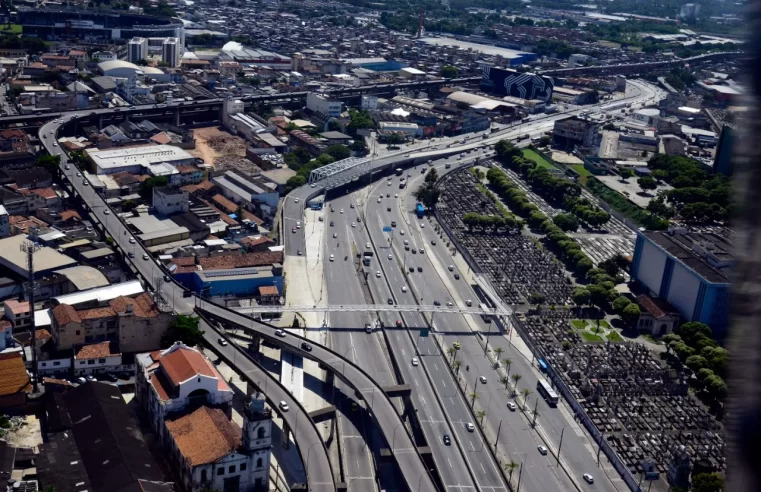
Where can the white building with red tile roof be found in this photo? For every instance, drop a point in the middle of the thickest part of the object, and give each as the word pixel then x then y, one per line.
pixel 189 405
pixel 170 381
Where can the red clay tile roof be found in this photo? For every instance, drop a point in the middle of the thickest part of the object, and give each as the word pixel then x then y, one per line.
pixel 161 138
pixel 162 392
pixel 657 307
pixel 205 435
pixel 253 218
pixel 203 185
pixel 46 193
pixel 62 382
pixel 255 241
pixel 188 168
pixel 13 376
pixel 225 262
pixel 70 214
pixel 17 307
pixel 64 313
pixel 183 364
pixel 96 313
pixel 225 204
pixel 97 350
pixel 42 335
pixel 142 305
pixel 268 290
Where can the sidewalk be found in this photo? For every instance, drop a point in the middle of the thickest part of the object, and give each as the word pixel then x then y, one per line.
pixel 305 286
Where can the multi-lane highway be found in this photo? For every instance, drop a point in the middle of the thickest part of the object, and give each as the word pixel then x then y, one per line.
pixel 349 338
pixel 342 275
pixel 519 442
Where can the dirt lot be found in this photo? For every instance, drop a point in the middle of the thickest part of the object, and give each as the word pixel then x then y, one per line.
pixel 217 146
pixel 25 432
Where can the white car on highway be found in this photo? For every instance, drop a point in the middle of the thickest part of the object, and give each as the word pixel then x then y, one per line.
pixel 404 288
pixel 332 258
pixel 368 246
pixel 470 427
pixel 415 362
pixel 378 274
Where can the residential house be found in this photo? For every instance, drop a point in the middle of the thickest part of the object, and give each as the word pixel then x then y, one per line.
pixel 42 198
pixel 168 201
pixel 14 140
pixel 14 380
pixel 136 323
pixel 18 313
pixel 103 357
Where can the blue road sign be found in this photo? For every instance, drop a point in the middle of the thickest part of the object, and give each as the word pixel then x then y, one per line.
pixel 388 229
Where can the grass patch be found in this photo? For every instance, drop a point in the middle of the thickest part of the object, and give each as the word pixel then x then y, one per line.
pixel 650 339
pixel 602 323
pixel 14 28
pixel 580 169
pixel 613 336
pixel 536 157
pixel 617 201
pixel 590 337
pixel 579 324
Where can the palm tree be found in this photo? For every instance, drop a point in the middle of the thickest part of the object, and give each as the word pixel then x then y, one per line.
pixel 504 380
pixel 480 416
pixel 473 398
pixel 525 392
pixel 515 378
pixel 507 363
pixel 450 352
pixel 510 466
pixel 499 351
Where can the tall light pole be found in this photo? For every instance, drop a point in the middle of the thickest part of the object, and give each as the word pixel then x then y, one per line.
pixel 30 248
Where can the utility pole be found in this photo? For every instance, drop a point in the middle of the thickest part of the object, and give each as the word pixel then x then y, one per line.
pixel 520 472
pixel 30 248
pixel 498 431
pixel 560 446
pixel 599 448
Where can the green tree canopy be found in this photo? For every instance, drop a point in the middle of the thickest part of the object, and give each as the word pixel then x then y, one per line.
pixel 183 329
pixel 338 152
pixel 449 72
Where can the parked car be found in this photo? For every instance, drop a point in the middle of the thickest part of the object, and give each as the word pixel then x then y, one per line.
pixel 306 347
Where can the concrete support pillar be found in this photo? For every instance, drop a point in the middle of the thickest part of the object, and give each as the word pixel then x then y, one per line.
pixel 177 117
pixel 286 442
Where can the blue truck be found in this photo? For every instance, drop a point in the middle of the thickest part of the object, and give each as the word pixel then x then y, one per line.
pixel 419 210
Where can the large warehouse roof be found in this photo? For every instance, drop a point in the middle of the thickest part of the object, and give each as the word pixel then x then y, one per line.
pixel 114 64
pixel 136 156
pixel 45 260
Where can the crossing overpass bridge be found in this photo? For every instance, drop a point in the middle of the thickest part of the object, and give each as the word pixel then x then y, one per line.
pixel 366 308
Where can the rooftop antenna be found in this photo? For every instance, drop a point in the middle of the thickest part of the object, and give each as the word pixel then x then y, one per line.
pixel 30 248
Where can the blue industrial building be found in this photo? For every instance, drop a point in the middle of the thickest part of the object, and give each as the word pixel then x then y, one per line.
pixel 236 282
pixel 688 270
